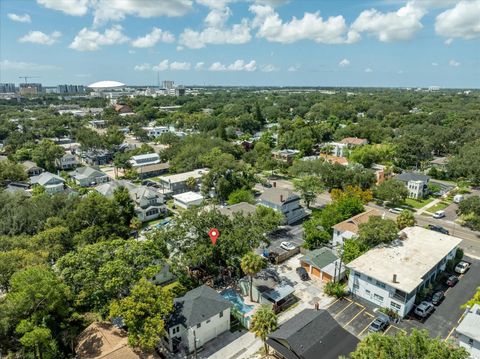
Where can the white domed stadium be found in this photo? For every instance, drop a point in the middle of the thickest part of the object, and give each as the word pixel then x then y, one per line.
pixel 104 85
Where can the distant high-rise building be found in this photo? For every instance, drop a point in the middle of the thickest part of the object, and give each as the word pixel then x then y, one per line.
pixel 70 89
pixel 167 84
pixel 30 89
pixel 180 91
pixel 7 87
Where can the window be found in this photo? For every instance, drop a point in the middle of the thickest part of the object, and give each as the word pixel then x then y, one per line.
pixel 355 287
pixel 369 279
pixel 199 325
pixel 470 341
pixel 367 291
pixel 380 284
pixel 395 306
pixel 378 297
pixel 221 314
pixel 357 274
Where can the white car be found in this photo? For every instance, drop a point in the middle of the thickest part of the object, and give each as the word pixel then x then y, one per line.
pixel 395 210
pixel 462 267
pixel 424 309
pixel 439 214
pixel 287 246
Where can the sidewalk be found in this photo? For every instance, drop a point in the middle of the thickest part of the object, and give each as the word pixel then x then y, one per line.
pixel 429 205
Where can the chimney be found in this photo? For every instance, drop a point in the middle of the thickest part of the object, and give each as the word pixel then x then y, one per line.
pixel 274 184
pixel 317 306
pixel 281 198
pixel 394 278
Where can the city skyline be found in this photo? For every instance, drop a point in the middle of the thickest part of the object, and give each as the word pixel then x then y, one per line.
pixel 417 43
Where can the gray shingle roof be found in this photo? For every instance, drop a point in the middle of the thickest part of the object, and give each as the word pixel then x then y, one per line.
pixel 85 172
pixel 310 333
pixel 198 305
pixel 278 196
pixel 411 176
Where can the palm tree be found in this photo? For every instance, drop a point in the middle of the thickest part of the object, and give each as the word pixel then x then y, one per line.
pixel 191 183
pixel 252 264
pixel 264 322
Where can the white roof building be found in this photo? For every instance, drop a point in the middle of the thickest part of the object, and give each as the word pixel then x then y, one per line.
pixel 468 332
pixel 106 85
pixel 187 199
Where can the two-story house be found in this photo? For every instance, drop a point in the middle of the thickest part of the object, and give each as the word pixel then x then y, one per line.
pixel 285 202
pixel 149 204
pixel 199 316
pixel 285 156
pixel 148 165
pixel 390 276
pixel 31 168
pixel 416 183
pixel 50 182
pixel 179 183
pixel 468 332
pixel 67 162
pixel 88 176
pixel 349 228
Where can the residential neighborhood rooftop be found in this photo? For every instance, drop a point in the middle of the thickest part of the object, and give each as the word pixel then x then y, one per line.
pixel 470 325
pixel 412 176
pixel 277 195
pixel 410 259
pixel 242 207
pixel 181 177
pixel 188 197
pixel 354 141
pixel 352 224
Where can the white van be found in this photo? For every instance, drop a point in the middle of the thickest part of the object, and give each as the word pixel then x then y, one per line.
pixel 439 214
pixel 458 198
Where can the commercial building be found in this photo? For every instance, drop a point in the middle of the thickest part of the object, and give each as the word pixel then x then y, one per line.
pixel 390 276
pixel 468 332
pixel 7 88
pixel 30 89
pixel 71 89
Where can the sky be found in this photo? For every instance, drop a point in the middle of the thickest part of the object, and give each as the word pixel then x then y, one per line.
pixel 389 43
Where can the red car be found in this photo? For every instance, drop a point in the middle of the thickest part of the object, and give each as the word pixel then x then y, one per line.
pixel 452 280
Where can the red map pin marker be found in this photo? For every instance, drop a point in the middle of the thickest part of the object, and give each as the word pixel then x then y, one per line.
pixel 213 234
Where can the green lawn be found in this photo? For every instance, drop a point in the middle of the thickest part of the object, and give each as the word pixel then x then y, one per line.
pixel 438 207
pixel 418 203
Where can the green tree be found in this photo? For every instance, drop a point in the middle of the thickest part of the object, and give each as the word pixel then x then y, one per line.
pixel 37 339
pixel 126 207
pixel 264 322
pixel 417 345
pixel 406 219
pixel 467 163
pixel 309 187
pixel 191 183
pixel 10 171
pixel 475 299
pixel 251 264
pixel 377 230
pixel 392 191
pixel 241 195
pixel 353 248
pixel 142 312
pixel 45 153
pixel 14 260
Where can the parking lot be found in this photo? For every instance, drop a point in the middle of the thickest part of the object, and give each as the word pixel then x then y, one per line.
pixel 356 315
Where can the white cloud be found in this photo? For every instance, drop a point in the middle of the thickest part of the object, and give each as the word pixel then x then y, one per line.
pixel 294 68
pixel 71 7
pixel 83 75
pixel 269 68
pixel 238 65
pixel 19 18
pixel 18 65
pixel 434 63
pixel 216 32
pixel 151 39
pixel 38 37
pixel 116 10
pixel 344 63
pixel 273 3
pixel 214 4
pixel 180 66
pixel 199 66
pixel 162 66
pixel 461 21
pixel 454 63
pixel 142 67
pixel 312 27
pixel 368 69
pixel 89 40
pixel 391 26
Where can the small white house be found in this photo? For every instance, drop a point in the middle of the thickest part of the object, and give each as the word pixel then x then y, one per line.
pixel 199 316
pixel 468 332
pixel 89 176
pixel 187 199
pixel 285 202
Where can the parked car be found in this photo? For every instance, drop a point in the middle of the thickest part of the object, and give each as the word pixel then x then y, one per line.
pixel 462 267
pixel 424 309
pixel 287 246
pixel 438 229
pixel 439 214
pixel 395 210
pixel 452 280
pixel 378 325
pixel 267 185
pixel 438 297
pixel 302 273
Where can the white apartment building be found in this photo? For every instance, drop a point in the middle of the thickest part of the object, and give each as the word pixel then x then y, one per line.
pixel 390 276
pixel 468 332
pixel 144 160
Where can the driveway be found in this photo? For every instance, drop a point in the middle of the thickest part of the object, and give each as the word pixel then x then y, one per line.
pixel 293 234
